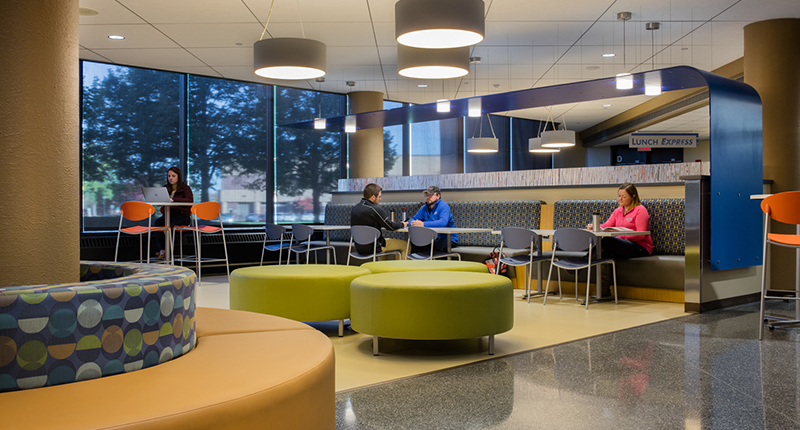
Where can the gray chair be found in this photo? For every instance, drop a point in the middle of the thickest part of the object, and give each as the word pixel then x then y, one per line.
pixel 577 240
pixel 366 235
pixel 302 233
pixel 423 236
pixel 521 238
pixel 276 233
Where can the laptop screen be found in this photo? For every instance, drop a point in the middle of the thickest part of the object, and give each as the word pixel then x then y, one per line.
pixel 156 194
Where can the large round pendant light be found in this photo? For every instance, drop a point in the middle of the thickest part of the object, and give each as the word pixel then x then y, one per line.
pixel 289 58
pixel 558 138
pixel 439 24
pixel 432 63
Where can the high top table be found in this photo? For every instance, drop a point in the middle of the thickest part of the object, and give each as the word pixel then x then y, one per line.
pixel 168 250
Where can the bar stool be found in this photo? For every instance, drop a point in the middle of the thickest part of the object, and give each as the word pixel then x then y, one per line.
pixel 207 211
pixel 138 211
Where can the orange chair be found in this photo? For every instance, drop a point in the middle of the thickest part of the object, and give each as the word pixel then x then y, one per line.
pixel 784 208
pixel 138 211
pixel 207 211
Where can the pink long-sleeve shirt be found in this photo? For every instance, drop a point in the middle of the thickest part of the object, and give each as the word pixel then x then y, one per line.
pixel 636 219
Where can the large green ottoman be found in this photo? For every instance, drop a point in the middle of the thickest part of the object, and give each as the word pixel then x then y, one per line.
pixel 303 292
pixel 431 305
pixel 424 265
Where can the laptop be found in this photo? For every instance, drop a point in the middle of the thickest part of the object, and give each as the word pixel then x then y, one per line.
pixel 156 194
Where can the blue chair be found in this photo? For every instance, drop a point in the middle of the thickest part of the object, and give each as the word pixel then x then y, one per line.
pixel 276 233
pixel 576 240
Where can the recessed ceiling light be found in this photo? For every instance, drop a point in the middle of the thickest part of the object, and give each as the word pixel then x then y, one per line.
pixel 684 49
pixel 422 86
pixel 609 55
pixel 606 105
pixel 116 37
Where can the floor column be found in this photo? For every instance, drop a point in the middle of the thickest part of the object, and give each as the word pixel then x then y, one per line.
pixel 366 145
pixel 39 143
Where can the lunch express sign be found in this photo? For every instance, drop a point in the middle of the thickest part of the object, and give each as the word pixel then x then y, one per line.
pixel 645 141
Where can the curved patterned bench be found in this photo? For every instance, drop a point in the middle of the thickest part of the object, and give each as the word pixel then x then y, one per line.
pixel 302 292
pixel 424 266
pixel 431 306
pixel 120 318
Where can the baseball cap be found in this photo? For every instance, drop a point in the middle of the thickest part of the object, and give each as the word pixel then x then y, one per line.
pixel 432 190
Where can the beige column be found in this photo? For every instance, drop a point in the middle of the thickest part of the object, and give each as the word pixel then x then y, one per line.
pixel 366 145
pixel 772 67
pixel 39 138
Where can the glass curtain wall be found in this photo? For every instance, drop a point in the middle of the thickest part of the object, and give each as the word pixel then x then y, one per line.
pixel 482 127
pixel 392 145
pixel 434 147
pixel 130 132
pixel 227 147
pixel 521 158
pixel 307 162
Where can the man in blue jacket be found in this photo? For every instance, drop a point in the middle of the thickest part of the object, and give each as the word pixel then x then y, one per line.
pixel 435 213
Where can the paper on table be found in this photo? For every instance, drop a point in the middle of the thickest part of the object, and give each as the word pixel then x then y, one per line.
pixel 616 229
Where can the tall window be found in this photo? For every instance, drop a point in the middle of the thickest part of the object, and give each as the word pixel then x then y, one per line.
pixel 306 161
pixel 130 136
pixel 227 141
pixel 392 145
pixel 521 158
pixel 434 147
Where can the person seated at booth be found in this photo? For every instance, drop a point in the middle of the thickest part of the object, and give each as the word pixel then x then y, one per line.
pixel 630 214
pixel 435 213
pixel 178 215
pixel 370 213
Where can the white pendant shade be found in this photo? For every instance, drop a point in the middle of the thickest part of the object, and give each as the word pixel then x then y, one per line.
pixel 474 107
pixel 535 146
pixel 289 58
pixel 652 84
pixel 439 24
pixel 558 138
pixel 482 144
pixel 442 105
pixel 624 81
pixel 319 124
pixel 420 63
pixel 350 124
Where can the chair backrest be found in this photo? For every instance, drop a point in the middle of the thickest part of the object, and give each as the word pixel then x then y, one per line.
pixel 275 232
pixel 574 240
pixel 783 207
pixel 302 232
pixel 364 234
pixel 207 210
pixel 421 236
pixel 519 238
pixel 136 211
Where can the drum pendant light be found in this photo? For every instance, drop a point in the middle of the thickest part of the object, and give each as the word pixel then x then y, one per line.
pixel 439 24
pixel 557 138
pixel 289 57
pixel 483 144
pixel 432 63
pixel 535 146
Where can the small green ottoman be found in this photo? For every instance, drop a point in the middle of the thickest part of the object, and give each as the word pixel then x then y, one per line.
pixel 301 292
pixel 424 265
pixel 431 305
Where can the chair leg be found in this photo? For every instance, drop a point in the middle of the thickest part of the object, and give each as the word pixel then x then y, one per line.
pixel 614 271
pixel 764 270
pixel 547 288
pixel 560 295
pixel 588 277
pixel 576 287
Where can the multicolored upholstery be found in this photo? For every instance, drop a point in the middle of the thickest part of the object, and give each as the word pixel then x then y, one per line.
pixel 667 219
pixel 119 318
pixel 339 214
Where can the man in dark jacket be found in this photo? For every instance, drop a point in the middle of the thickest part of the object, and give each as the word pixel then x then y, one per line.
pixel 369 212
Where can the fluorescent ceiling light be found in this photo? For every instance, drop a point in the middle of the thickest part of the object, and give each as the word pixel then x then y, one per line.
pixel 116 37
pixel 609 55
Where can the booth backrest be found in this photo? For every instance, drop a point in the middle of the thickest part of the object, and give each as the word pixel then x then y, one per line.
pixel 666 220
pixel 491 214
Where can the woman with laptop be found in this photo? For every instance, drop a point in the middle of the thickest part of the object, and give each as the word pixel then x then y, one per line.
pixel 179 215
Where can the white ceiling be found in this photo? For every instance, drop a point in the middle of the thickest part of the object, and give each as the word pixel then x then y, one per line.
pixel 528 44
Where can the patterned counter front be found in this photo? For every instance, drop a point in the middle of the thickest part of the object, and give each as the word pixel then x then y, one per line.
pixel 120 318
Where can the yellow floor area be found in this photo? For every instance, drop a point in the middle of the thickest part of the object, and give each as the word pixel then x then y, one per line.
pixel 535 326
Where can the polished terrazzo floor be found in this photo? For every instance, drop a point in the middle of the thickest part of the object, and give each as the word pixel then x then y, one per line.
pixel 637 365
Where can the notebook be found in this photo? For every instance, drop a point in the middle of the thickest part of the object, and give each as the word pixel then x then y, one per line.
pixel 156 194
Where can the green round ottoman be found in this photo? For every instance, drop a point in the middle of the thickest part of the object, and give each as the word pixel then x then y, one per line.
pixel 302 292
pixel 431 305
pixel 424 265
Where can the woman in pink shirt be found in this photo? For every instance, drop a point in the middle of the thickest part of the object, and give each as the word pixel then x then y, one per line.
pixel 630 214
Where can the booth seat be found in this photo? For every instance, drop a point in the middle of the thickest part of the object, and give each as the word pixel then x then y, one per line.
pixel 664 269
pixel 475 214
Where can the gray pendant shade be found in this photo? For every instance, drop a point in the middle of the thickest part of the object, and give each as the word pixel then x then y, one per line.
pixel 289 58
pixel 439 24
pixel 421 63
pixel 482 144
